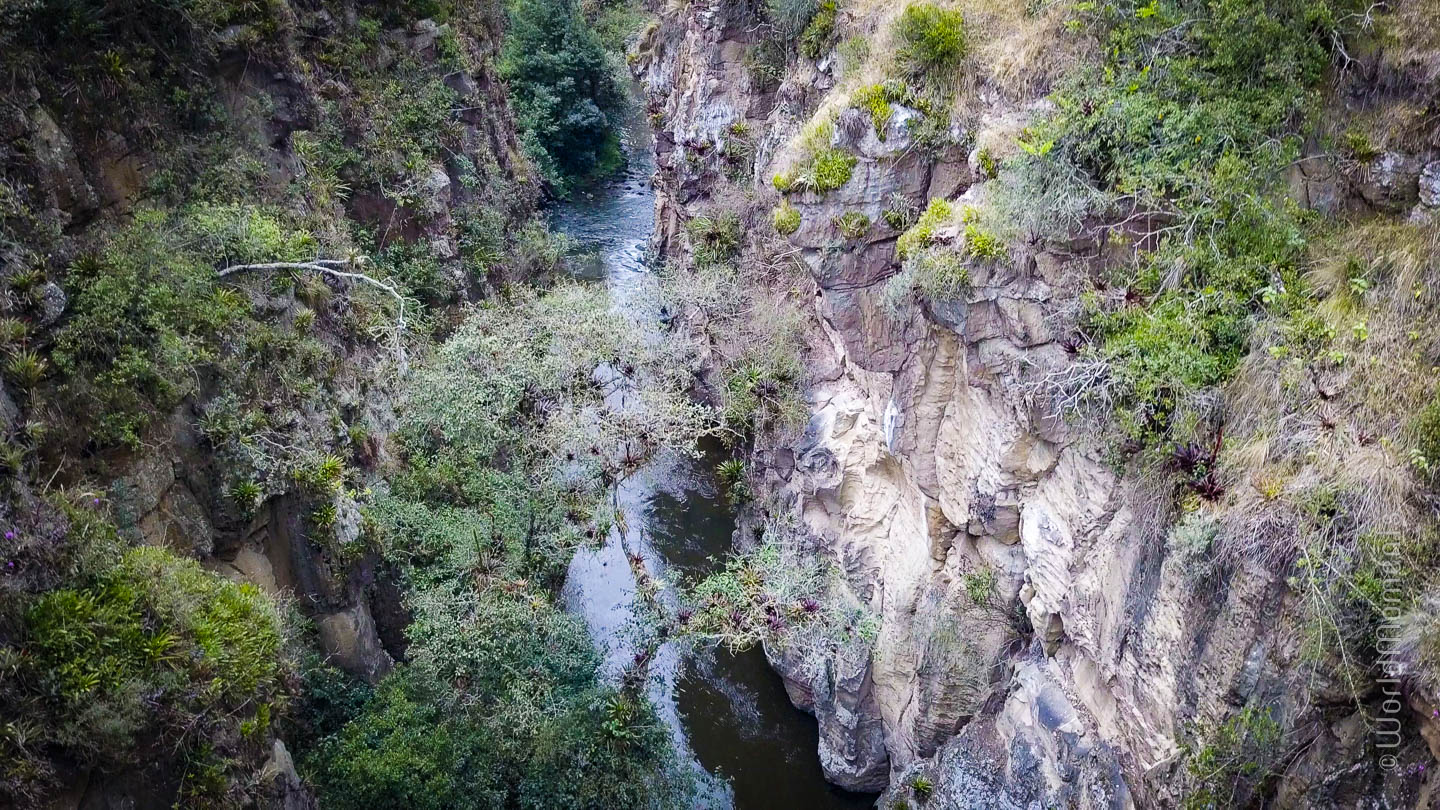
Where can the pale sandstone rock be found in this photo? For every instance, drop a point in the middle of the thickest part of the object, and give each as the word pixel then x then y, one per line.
pixel 348 638
pixel 931 456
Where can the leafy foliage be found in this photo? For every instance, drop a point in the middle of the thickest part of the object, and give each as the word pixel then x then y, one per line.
pixel 148 649
pixel 1196 130
pixel 1237 755
pixel 501 702
pixel 819 35
pixel 714 239
pixel 852 224
pixel 786 219
pixel 148 311
pixel 548 739
pixel 775 595
pixel 931 40
pixel 1427 441
pixel 563 88
pixel 790 17
pixel 922 233
pixel 875 100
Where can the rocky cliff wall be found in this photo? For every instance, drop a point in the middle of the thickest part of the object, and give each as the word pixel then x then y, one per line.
pixel 299 110
pixel 1040 639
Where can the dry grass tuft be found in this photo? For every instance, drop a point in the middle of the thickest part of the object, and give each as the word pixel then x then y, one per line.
pixel 1321 437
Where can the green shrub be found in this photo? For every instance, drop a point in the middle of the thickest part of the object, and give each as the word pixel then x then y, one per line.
pixel 922 233
pixel 930 40
pixel 791 17
pixel 923 786
pixel 714 239
pixel 765 62
pixel 501 708
pixel 854 52
pixel 404 750
pixel 1203 126
pixel 941 274
pixel 152 650
pixel 1237 756
pixel 937 273
pixel 852 224
pixel 26 368
pixel 786 219
pixel 161 620
pixel 980 586
pixel 566 99
pixel 828 169
pixel 1170 346
pixel 732 478
pixel 982 244
pixel 1426 455
pixel 1358 145
pixel 989 167
pixel 761 390
pixel 874 100
pixel 819 35
pixel 148 311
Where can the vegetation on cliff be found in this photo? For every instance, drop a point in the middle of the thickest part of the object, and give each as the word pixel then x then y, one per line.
pixel 223 260
pixel 1209 230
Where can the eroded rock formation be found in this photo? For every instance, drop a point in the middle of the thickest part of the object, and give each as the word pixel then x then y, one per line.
pixel 1038 641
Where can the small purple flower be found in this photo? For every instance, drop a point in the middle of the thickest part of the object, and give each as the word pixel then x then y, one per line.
pixel 9 535
pixel 97 501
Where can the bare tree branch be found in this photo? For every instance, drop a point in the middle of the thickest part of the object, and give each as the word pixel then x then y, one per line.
pixel 332 268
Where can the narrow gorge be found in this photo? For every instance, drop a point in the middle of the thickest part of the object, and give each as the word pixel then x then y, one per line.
pixel 719 404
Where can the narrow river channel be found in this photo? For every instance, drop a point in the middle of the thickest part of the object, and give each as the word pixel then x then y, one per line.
pixel 729 714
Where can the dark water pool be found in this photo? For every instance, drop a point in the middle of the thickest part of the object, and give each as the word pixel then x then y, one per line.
pixel 729 714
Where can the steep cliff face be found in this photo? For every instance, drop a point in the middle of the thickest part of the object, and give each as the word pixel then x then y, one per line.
pixel 384 141
pixel 1043 637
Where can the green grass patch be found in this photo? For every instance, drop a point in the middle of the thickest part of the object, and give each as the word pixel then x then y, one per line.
pixel 786 219
pixel 930 41
pixel 922 233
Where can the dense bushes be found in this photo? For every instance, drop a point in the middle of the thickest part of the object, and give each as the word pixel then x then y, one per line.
pixel 1236 757
pixel 148 310
pixel 819 35
pixel 501 702
pixel 564 91
pixel 129 55
pixel 930 40
pixel 548 738
pixel 146 652
pixel 1197 134
pixel 790 17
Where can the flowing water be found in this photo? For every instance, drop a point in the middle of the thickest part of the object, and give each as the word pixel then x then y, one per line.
pixel 729 714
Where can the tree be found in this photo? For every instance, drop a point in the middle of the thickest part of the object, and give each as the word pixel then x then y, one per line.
pixel 564 90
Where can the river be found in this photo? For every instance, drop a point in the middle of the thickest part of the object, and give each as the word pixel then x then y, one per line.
pixel 728 714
